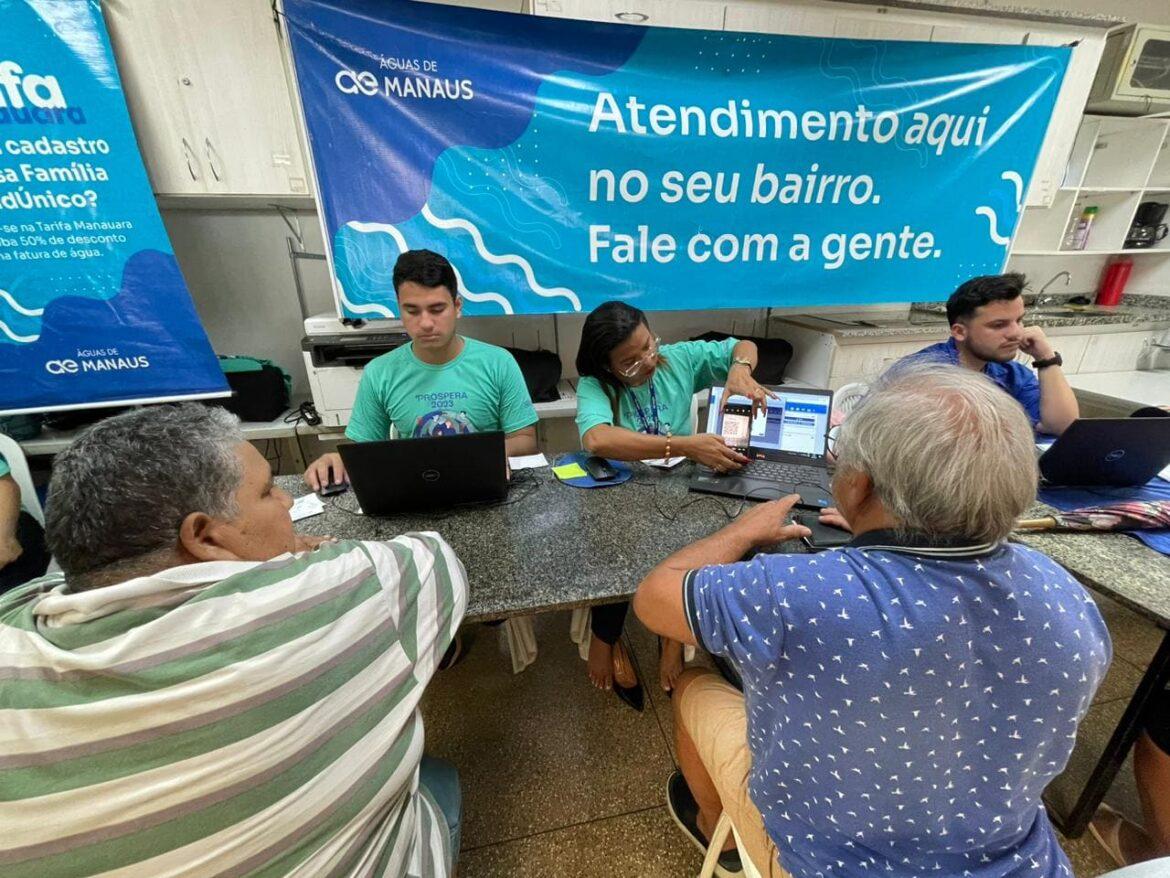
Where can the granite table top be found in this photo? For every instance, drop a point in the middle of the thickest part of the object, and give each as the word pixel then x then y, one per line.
pixel 926 319
pixel 550 546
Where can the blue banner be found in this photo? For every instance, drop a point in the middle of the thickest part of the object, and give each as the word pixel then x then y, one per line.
pixel 562 163
pixel 93 309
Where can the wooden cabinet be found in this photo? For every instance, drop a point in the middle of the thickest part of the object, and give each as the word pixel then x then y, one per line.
pixel 1048 176
pixel 825 358
pixel 208 96
pixel 1117 352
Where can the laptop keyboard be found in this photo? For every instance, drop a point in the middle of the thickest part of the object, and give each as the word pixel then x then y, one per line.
pixel 782 472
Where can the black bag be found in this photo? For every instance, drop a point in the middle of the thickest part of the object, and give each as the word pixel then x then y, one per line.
pixel 260 389
pixel 775 355
pixel 542 373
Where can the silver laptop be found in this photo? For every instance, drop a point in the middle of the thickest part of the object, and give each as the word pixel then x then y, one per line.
pixel 786 445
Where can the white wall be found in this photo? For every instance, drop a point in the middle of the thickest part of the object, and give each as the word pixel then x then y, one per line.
pixel 237 268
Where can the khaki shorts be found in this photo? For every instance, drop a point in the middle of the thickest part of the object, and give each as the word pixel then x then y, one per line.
pixel 712 713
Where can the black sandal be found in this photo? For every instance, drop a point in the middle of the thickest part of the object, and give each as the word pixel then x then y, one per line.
pixel 631 695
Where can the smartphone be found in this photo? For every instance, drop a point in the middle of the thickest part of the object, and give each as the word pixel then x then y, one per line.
pixel 823 536
pixel 737 426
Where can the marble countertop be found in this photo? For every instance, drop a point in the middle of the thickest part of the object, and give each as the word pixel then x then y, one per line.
pixel 552 547
pixel 1000 10
pixel 928 319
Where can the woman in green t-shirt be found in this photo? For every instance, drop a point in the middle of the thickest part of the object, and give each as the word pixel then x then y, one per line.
pixel 634 403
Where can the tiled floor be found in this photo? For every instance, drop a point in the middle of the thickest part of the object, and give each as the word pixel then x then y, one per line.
pixel 562 780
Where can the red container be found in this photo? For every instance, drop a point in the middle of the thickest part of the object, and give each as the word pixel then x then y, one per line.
pixel 1113 283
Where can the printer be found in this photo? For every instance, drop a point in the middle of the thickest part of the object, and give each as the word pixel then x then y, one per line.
pixel 335 353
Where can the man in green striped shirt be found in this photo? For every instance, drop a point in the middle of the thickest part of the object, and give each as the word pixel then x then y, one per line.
pixel 202 691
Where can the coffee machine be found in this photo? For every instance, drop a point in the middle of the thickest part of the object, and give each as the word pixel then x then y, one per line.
pixel 1148 227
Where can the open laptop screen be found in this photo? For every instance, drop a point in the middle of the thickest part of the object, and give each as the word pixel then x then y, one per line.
pixel 796 422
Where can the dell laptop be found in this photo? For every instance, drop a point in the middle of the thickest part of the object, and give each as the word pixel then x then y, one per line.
pixel 406 475
pixel 786 445
pixel 1114 452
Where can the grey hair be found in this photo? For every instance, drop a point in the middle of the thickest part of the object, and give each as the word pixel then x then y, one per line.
pixel 120 492
pixel 950 454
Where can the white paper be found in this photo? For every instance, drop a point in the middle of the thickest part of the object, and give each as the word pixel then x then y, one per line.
pixel 1165 474
pixel 1045 445
pixel 665 464
pixel 527 461
pixel 306 507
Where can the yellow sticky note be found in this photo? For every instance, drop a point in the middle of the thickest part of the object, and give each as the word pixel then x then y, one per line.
pixel 569 471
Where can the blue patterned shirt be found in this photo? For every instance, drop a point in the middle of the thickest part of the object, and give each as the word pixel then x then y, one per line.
pixel 906 705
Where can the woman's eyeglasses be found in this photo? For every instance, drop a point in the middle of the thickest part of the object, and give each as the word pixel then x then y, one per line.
pixel 646 359
pixel 831 440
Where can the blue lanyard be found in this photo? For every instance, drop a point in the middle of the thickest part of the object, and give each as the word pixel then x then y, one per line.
pixel 642 419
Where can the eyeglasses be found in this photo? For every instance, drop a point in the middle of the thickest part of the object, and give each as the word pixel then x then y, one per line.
pixel 647 358
pixel 831 439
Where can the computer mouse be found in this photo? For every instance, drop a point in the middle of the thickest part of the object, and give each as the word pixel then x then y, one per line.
pixel 599 468
pixel 333 488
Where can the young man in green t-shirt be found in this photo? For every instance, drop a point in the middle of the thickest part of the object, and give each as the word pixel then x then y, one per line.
pixel 440 384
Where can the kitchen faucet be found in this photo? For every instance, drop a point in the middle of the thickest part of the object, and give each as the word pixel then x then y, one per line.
pixel 1050 281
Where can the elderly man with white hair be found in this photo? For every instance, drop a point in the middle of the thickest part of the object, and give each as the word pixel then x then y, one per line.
pixel 908 697
pixel 203 692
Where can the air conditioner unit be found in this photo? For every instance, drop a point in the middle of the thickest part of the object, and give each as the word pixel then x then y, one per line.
pixel 1133 78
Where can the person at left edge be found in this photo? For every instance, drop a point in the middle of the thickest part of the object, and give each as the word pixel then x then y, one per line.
pixel 441 383
pixel 633 403
pixel 23 555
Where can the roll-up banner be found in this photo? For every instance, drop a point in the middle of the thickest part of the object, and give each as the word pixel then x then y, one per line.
pixel 93 309
pixel 561 163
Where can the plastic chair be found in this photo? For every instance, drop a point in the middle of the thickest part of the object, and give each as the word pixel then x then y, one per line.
pixel 13 454
pixel 845 399
pixel 1158 868
pixel 719 838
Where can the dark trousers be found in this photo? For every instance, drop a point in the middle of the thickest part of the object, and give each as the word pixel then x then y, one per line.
pixel 608 621
pixel 33 560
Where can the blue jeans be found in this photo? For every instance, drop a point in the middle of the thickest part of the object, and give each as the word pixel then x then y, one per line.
pixel 442 782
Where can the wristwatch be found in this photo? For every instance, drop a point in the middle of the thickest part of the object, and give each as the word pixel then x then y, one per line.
pixel 740 361
pixel 1054 360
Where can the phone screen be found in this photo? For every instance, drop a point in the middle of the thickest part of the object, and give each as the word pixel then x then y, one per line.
pixel 737 426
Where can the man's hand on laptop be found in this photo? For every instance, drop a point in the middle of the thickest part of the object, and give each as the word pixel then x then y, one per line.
pixel 767 524
pixel 710 450
pixel 326 470
pixel 741 383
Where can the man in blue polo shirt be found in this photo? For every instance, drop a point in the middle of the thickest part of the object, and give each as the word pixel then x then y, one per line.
pixel 986 316
pixel 906 698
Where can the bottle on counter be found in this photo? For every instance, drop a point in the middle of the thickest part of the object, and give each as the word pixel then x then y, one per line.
pixel 1113 282
pixel 1078 236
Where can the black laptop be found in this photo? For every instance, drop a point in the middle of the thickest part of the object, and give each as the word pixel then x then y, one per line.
pixel 1117 452
pixel 786 445
pixel 405 475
